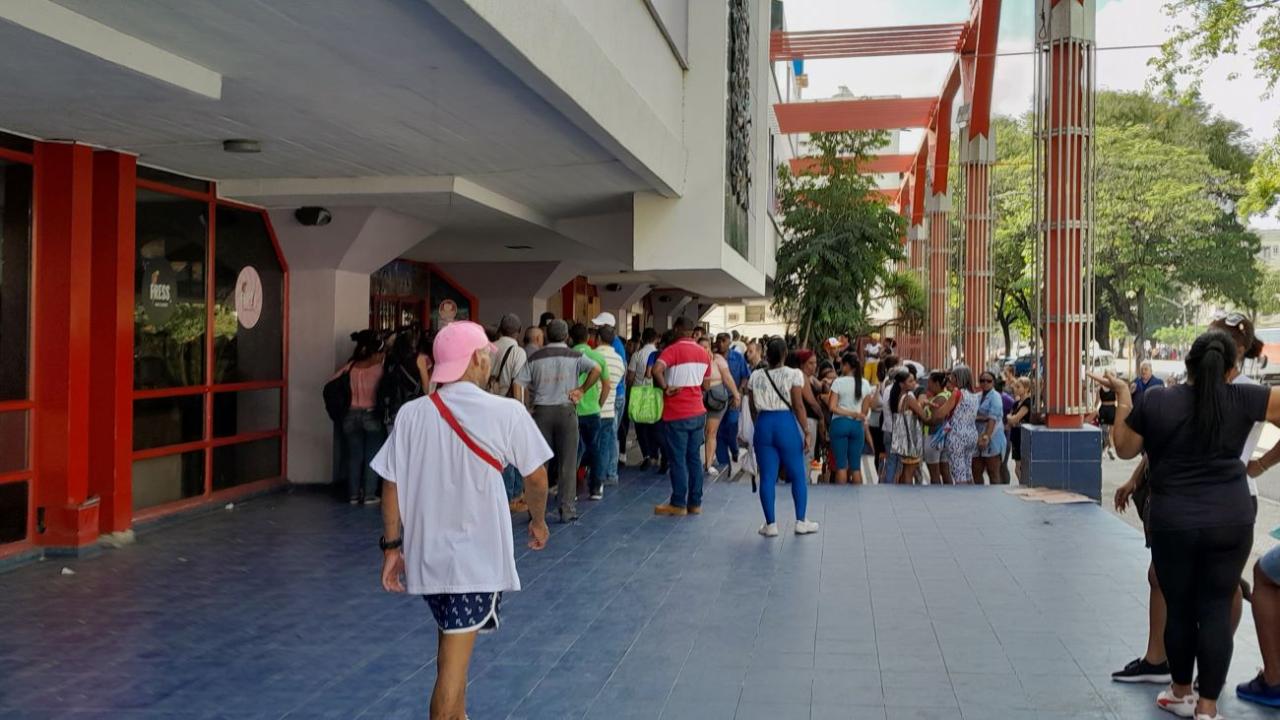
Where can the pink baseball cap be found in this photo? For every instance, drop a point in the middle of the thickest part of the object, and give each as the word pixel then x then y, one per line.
pixel 453 348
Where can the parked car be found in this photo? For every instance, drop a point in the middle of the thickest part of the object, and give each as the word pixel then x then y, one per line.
pixel 1266 369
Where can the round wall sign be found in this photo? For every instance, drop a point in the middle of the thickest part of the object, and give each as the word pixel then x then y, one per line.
pixel 248 297
pixel 159 290
pixel 448 312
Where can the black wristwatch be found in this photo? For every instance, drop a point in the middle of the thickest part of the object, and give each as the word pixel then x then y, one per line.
pixel 386 544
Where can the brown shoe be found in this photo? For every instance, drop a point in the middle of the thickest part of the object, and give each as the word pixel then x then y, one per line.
pixel 695 510
pixel 670 510
pixel 519 505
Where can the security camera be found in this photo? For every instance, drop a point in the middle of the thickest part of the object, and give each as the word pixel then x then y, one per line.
pixel 313 216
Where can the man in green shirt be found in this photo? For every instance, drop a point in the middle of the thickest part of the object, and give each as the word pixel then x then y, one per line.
pixel 589 412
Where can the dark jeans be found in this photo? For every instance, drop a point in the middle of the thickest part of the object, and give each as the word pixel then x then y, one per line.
pixel 559 426
pixel 624 427
pixel 589 449
pixel 650 444
pixel 1198 572
pixel 727 437
pixel 684 446
pixel 363 434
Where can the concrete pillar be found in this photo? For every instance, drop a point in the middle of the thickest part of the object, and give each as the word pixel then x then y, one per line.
pixel 513 287
pixel 938 326
pixel 329 269
pixel 911 336
pixel 977 155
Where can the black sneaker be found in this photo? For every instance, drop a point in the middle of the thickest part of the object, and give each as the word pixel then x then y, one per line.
pixel 1141 671
pixel 645 464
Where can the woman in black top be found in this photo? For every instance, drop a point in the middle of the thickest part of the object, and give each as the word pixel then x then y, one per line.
pixel 1200 513
pixel 1106 417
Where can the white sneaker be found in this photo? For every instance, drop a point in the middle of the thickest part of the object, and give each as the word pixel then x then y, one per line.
pixel 769 530
pixel 804 527
pixel 1184 706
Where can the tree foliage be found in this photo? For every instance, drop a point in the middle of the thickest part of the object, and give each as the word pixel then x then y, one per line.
pixel 1213 29
pixel 835 263
pixel 1168 178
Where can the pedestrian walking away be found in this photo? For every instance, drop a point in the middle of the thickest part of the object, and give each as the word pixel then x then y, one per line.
pixel 447 533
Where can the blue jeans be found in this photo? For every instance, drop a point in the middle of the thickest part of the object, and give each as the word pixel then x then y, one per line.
pixel 363 434
pixel 514 481
pixel 891 465
pixel 727 437
pixel 608 440
pixel 684 458
pixel 779 443
pixel 847 439
pixel 589 448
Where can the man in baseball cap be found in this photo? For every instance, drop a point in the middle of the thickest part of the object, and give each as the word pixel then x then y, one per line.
pixel 446 526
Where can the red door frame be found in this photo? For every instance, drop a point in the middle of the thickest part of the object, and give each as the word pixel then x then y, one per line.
pixel 27 474
pixel 208 389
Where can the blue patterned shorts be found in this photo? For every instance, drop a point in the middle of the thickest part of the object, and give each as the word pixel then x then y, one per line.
pixel 465 612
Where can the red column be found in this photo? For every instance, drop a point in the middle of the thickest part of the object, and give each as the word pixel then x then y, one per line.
pixel 111 373
pixel 63 246
pixel 976 157
pixel 1065 128
pixel 937 341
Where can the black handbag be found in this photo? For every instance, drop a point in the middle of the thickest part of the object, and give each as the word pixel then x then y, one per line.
pixel 337 396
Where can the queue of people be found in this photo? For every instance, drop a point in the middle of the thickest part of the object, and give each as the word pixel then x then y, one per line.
pixel 544 412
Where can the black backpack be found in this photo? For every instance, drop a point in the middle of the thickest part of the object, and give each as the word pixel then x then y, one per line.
pixel 337 396
pixel 399 385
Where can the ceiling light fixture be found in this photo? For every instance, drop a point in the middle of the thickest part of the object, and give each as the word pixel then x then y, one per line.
pixel 241 145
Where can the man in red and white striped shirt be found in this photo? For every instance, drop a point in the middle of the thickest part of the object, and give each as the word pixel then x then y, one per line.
pixel 683 371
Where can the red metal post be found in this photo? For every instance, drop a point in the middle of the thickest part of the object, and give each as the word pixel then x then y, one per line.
pixel 111 373
pixel 976 158
pixel 1065 84
pixel 63 239
pixel 939 209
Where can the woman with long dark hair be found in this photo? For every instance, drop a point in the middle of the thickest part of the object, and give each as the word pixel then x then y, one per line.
pixel 850 401
pixel 363 431
pixel 908 434
pixel 989 458
pixel 401 380
pixel 1200 514
pixel 778 411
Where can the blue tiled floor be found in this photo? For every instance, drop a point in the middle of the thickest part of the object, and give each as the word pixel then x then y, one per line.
pixel 911 603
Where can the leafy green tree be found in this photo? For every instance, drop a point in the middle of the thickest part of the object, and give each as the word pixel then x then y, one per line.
pixel 1266 293
pixel 1013 240
pixel 1263 188
pixel 1213 29
pixel 837 260
pixel 1161 226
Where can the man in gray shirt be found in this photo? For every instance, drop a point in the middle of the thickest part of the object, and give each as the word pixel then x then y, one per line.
pixel 551 376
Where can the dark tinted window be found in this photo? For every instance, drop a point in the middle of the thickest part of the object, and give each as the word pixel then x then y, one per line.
pixel 166 479
pixel 15 279
pixel 13 511
pixel 169 285
pixel 245 463
pixel 249 296
pixel 14 441
pixel 158 422
pixel 247 411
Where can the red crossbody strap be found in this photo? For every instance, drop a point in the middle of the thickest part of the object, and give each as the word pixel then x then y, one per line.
pixel 466 439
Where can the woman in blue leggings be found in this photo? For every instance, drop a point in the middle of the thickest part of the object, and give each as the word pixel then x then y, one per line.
pixel 850 402
pixel 777 406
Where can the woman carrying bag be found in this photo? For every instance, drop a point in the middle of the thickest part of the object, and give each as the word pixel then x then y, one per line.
pixel 777 409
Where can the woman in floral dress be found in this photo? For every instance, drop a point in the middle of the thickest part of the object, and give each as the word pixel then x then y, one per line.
pixel 962 414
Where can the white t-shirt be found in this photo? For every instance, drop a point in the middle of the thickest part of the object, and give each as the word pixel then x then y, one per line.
pixel 1251 444
pixel 762 392
pixel 505 373
pixel 457 524
pixel 846 389
pixel 640 363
